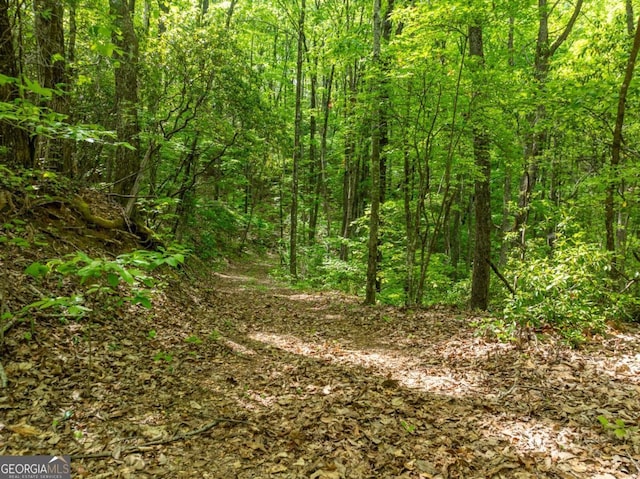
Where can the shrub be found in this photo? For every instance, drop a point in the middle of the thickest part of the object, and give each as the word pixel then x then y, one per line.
pixel 567 290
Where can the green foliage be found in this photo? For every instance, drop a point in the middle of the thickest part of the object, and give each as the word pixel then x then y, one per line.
pixel 14 228
pixel 618 428
pixel 100 279
pixel 338 274
pixel 11 179
pixel 410 428
pixel 163 356
pixel 44 122
pixel 219 230
pixel 193 340
pixel 566 290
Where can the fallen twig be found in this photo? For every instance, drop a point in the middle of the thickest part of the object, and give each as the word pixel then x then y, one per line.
pixel 159 442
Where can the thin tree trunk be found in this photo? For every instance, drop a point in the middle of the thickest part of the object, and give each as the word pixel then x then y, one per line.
pixel 73 34
pixel 429 244
pixel 314 168
pixel 297 149
pixel 384 100
pixel 629 15
pixel 455 230
pixel 410 231
pixel 230 10
pixel 505 227
pixel 374 221
pixel 187 189
pixel 349 183
pixel 323 151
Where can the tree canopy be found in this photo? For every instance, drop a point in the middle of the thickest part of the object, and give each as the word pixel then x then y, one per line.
pixel 476 153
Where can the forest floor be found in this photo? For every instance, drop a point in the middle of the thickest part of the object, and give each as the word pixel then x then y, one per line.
pixel 235 375
pixel 246 378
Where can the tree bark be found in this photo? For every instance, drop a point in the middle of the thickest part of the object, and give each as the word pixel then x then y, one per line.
pixel 350 173
pixel 314 168
pixel 323 150
pixel 482 245
pixel 629 15
pixel 374 221
pixel 52 72
pixel 297 149
pixel 14 141
pixel 127 160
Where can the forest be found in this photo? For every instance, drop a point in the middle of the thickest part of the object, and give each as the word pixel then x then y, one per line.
pixel 413 168
pixel 414 153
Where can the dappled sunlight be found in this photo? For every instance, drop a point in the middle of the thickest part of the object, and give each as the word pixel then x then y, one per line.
pixel 391 364
pixel 555 447
pixel 233 277
pixel 517 436
pixel 625 367
pixel 303 297
pixel 536 436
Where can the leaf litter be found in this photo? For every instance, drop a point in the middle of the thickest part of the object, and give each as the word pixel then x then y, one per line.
pixel 245 378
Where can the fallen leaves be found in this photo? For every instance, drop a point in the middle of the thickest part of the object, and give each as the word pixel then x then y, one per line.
pixel 319 387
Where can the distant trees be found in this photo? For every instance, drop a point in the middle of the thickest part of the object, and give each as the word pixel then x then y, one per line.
pixel 393 148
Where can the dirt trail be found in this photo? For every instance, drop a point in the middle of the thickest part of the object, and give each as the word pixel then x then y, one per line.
pixel 240 377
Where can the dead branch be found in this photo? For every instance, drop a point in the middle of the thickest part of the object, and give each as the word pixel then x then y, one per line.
pixel 502 278
pixel 159 442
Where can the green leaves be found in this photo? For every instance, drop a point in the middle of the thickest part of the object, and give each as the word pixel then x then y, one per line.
pixel 34 87
pixel 101 279
pixel 564 291
pixel 36 270
pixel 618 427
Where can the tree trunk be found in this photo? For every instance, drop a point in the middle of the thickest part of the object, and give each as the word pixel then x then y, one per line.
pixel 350 172
pixel 629 14
pixel 14 141
pixel 232 6
pixel 127 160
pixel 323 150
pixel 374 221
pixel 297 149
pixel 314 168
pixel 187 191
pixel 482 246
pixel 52 73
pixel 384 100
pixel 454 231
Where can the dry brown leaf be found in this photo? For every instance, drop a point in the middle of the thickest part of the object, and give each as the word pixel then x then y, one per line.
pixel 24 430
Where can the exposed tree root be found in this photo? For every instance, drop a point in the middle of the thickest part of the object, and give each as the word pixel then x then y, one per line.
pixel 145 235
pixel 82 207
